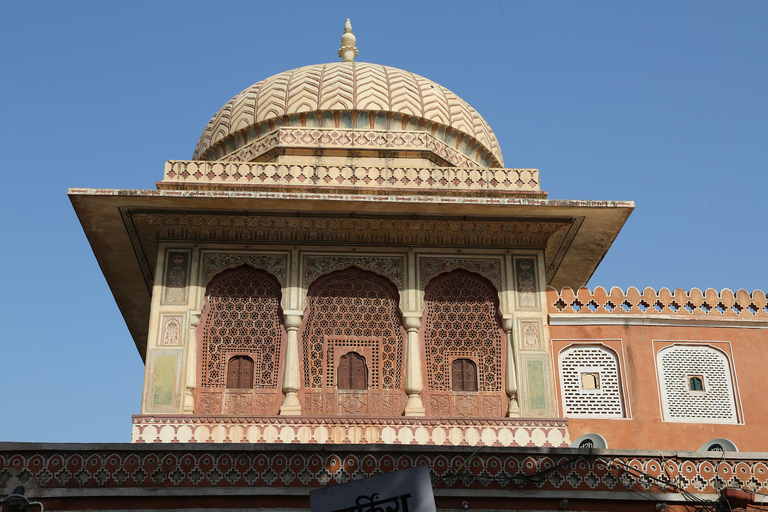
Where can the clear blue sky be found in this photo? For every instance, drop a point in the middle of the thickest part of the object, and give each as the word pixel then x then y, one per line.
pixel 664 103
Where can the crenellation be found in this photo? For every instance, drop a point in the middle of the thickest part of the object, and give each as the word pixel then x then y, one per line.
pixel 694 303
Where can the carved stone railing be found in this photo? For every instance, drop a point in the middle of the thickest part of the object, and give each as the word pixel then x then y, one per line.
pixel 709 304
pixel 323 138
pixel 196 174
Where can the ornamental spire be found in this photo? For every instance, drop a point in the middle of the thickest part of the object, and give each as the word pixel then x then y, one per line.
pixel 348 50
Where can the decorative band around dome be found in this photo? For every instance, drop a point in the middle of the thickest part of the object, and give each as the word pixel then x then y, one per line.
pixel 355 87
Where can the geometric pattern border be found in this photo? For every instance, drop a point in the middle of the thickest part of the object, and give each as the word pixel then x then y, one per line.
pixel 126 466
pixel 379 431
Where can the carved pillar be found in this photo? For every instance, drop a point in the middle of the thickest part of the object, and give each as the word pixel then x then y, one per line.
pixel 413 381
pixel 291 378
pixel 191 380
pixel 508 323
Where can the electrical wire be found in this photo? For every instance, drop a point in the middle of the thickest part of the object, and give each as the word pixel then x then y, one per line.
pixel 617 467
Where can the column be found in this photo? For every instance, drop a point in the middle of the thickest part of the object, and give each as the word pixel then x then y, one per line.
pixel 291 378
pixel 191 373
pixel 508 323
pixel 413 381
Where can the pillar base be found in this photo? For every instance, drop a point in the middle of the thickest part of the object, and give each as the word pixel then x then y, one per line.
pixel 514 408
pixel 414 406
pixel 291 405
pixel 189 402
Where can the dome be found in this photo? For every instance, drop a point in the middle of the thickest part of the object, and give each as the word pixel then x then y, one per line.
pixel 351 96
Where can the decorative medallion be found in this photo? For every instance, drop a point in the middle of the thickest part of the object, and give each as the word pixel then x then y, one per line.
pixel 530 335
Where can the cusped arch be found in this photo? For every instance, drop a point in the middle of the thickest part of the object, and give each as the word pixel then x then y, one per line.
pixel 462 320
pixel 242 316
pixel 274 264
pixel 352 308
pixel 391 268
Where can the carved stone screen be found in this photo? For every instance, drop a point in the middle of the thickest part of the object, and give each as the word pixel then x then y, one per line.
pixel 461 322
pixel 590 382
pixel 715 403
pixel 241 318
pixel 352 311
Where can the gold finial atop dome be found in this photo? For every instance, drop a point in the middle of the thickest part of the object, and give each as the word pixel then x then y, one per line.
pixel 348 50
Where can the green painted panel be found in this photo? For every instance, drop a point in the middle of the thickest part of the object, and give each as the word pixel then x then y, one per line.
pixel 537 397
pixel 165 380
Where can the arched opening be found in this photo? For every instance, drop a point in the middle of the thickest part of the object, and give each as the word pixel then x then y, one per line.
pixel 463 344
pixel 463 375
pixel 352 372
pixel 695 383
pixel 590 381
pixel 352 324
pixel 240 372
pixel 240 341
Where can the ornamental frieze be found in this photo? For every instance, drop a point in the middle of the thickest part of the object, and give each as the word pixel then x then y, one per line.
pixel 362 231
pixel 358 139
pixel 146 228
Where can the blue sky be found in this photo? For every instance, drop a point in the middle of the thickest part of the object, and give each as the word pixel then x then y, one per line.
pixel 664 103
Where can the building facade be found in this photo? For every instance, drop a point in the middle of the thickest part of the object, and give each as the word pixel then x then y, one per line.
pixel 346 267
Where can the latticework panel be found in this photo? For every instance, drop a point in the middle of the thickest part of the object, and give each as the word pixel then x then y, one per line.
pixel 242 317
pixel 590 382
pixel 715 403
pixel 352 308
pixel 462 322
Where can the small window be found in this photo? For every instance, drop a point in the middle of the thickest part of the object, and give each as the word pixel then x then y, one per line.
pixel 695 383
pixel 463 375
pixel 352 373
pixel 240 373
pixel 590 380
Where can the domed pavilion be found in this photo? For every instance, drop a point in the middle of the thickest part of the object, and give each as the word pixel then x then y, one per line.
pixel 346 259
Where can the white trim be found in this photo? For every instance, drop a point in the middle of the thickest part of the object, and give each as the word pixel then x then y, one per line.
pixel 611 319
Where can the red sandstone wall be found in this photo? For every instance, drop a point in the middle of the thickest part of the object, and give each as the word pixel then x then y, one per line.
pixel 645 428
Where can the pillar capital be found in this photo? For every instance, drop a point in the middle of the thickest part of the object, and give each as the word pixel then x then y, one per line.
pixel 507 323
pixel 194 318
pixel 412 321
pixel 292 319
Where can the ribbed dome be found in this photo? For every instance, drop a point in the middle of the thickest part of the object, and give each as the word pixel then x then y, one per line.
pixel 408 102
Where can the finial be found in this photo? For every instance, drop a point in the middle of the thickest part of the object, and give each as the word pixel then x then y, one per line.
pixel 348 50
